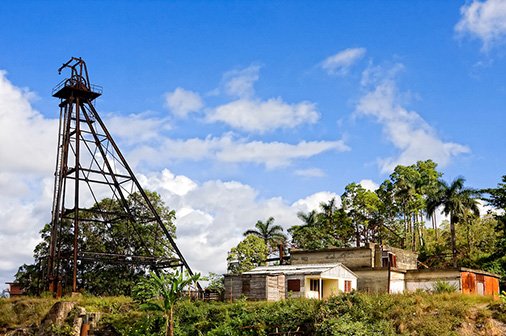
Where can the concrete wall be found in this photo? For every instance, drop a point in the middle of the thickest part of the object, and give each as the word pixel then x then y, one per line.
pixel 397 282
pixel 375 280
pixel 352 258
pixel 356 257
pixel 406 260
pixel 426 279
pixel 372 280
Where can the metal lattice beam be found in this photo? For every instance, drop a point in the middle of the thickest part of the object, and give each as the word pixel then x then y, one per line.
pixel 89 167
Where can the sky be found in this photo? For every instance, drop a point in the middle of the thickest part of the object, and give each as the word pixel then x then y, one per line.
pixel 235 111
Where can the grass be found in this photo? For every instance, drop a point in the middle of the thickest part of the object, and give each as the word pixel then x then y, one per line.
pixel 351 314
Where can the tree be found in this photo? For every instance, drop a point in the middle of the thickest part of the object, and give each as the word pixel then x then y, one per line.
pixel 248 254
pixel 168 287
pixel 120 237
pixel 310 235
pixel 403 198
pixel 216 283
pixel 330 227
pixel 457 202
pixel 496 197
pixel 271 234
pixel 362 206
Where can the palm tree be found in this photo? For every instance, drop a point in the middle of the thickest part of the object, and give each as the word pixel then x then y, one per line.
pixel 271 234
pixel 456 202
pixel 309 219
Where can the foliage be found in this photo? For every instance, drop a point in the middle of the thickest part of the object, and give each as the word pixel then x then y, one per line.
pixel 271 234
pixel 348 314
pixel 23 311
pixel 330 227
pixel 169 288
pixel 441 286
pixel 99 277
pixel 216 283
pixel 394 214
pixel 496 261
pixel 457 202
pixel 362 207
pixel 135 324
pixel 248 254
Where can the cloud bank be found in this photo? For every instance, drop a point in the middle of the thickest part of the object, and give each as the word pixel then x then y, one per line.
pixel 406 130
pixel 485 20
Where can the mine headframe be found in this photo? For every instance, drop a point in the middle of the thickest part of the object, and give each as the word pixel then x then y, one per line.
pixel 90 168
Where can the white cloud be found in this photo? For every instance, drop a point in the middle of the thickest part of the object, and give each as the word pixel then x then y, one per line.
pixel 27 139
pixel 136 128
pixel 179 185
pixel 485 20
pixel 375 74
pixel 182 102
pixel 254 115
pixel 312 202
pixel 405 129
pixel 212 216
pixel 231 150
pixel 340 63
pixel 310 172
pixel 240 82
pixel 27 152
pixel 369 185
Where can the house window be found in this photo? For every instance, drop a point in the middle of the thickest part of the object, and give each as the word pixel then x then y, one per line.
pixel 314 285
pixel 293 285
pixel 245 286
pixel 347 286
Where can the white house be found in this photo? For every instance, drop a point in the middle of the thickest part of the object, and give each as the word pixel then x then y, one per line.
pixel 272 283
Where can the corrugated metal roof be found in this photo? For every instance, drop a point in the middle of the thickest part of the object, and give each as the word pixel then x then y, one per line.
pixel 296 269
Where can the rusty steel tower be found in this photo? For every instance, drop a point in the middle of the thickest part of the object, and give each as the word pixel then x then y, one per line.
pixel 89 168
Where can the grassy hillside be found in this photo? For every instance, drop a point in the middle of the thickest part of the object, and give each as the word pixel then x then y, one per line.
pixel 353 314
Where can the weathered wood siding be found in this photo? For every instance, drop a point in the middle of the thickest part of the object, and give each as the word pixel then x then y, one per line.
pixel 275 287
pixel 255 287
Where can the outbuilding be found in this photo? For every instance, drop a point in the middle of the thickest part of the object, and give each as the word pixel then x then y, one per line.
pixel 272 283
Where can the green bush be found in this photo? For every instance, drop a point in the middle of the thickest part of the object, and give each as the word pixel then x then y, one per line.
pixel 346 314
pixel 443 287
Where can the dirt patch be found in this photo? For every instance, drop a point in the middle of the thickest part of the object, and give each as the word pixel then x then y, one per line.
pixel 480 322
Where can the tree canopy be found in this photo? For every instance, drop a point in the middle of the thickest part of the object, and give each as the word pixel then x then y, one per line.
pixel 248 254
pixel 120 237
pixel 271 233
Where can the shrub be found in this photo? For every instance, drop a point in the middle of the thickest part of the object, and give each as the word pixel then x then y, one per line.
pixel 441 286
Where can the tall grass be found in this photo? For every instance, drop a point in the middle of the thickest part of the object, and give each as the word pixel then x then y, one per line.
pixel 350 314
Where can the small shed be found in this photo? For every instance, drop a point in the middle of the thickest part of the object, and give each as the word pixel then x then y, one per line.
pixel 465 280
pixel 15 289
pixel 272 283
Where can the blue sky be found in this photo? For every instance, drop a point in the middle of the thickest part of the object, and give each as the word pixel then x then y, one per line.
pixel 237 111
